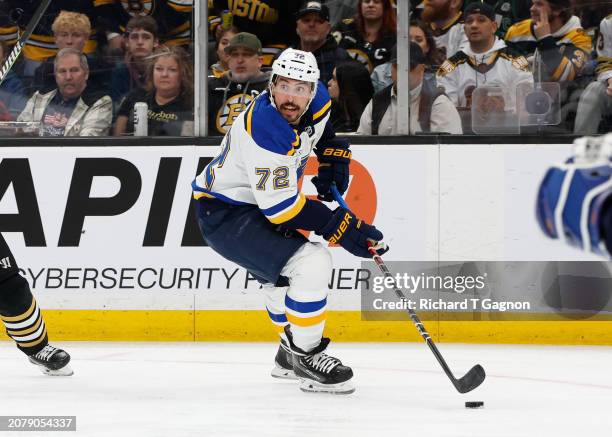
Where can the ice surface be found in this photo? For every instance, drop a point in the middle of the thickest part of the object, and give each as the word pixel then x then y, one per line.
pixel 224 389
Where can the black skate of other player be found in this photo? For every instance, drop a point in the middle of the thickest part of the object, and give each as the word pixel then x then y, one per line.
pixel 23 320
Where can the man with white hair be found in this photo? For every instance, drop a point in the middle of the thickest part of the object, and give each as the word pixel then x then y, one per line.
pixel 249 208
pixel 69 110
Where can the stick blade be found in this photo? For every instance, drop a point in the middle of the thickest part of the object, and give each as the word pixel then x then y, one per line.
pixel 471 380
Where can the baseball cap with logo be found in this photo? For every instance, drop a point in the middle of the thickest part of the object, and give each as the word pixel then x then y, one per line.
pixel 245 40
pixel 309 7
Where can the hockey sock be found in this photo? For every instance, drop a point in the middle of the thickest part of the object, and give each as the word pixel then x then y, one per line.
pixel 275 304
pixel 306 315
pixel 21 316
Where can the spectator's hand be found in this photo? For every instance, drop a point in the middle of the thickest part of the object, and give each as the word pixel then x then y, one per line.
pixel 542 26
pixel 609 89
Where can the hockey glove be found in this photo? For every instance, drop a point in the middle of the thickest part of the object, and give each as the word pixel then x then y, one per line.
pixel 351 233
pixel 334 160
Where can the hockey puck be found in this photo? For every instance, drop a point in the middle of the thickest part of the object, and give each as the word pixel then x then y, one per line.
pixel 474 404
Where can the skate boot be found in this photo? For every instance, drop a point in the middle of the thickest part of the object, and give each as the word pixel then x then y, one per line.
pixel 52 361
pixel 283 363
pixel 321 373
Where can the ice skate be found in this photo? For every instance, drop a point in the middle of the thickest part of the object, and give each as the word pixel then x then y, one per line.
pixel 322 373
pixel 52 361
pixel 283 363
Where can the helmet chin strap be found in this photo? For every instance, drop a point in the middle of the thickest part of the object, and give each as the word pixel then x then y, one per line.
pixel 312 96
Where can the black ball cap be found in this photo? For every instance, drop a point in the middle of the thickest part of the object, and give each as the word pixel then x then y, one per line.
pixel 480 8
pixel 315 7
pixel 416 55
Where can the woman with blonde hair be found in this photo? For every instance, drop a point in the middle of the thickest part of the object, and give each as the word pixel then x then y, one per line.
pixel 168 94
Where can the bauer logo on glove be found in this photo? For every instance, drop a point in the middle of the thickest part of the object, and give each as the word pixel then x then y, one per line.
pixel 351 233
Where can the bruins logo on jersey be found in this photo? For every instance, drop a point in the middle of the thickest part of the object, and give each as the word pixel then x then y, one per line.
pixel 360 56
pixel 138 7
pixel 446 68
pixel 520 63
pixel 231 110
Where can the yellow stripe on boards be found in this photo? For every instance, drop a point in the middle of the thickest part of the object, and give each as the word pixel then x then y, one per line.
pixel 343 326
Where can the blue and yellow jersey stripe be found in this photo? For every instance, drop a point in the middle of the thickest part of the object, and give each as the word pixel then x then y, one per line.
pixel 285 210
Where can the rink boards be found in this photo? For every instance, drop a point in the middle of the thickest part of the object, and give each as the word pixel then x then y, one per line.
pixel 107 240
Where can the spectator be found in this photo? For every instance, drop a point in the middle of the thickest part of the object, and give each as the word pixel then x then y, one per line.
pixel 313 30
pixel 12 92
pixel 230 94
pixel 71 109
pixel 507 12
pixel 486 61
pixel 350 89
pixel 172 16
pixel 430 109
pixel 421 34
pixel 71 29
pixel 444 17
pixel 370 35
pixel 15 16
pixel 273 21
pixel 168 94
pixel 221 66
pixel 142 39
pixel 596 101
pixel 553 40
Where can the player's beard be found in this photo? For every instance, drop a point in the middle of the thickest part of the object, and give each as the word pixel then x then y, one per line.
pixel 291 106
pixel 431 14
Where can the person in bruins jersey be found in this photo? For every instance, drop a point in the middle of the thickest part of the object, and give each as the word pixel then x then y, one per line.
pixel 15 16
pixel 231 93
pixel 173 18
pixel 272 21
pixel 370 35
pixel 486 61
pixel 552 40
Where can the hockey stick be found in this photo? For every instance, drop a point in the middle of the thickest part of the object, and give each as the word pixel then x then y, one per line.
pixel 23 38
pixel 470 380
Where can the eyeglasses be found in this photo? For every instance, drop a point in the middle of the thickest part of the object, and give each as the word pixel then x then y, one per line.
pixel 300 90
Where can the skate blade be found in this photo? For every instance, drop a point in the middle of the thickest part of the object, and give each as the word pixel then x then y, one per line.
pixel 282 373
pixel 64 371
pixel 342 388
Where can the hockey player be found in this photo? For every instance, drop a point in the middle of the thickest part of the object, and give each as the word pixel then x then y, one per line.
pixel 486 61
pixel 249 206
pixel 553 40
pixel 24 322
pixel 596 101
pixel 574 198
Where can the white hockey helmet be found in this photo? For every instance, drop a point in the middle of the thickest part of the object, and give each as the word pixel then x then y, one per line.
pixel 297 65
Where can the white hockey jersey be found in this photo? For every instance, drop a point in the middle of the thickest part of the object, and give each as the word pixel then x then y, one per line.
pixel 262 158
pixel 463 72
pixel 604 50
